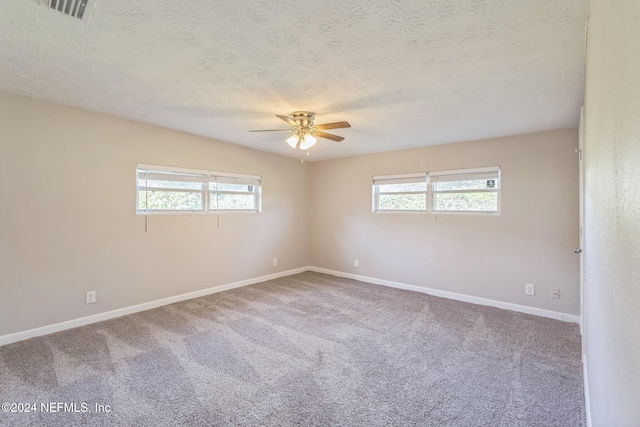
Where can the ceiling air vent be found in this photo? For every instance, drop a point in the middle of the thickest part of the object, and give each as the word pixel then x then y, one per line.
pixel 81 9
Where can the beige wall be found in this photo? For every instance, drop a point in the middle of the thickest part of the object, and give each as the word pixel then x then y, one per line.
pixel 491 257
pixel 612 213
pixel 68 222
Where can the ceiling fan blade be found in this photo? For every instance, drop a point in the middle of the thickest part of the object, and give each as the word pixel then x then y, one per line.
pixel 328 136
pixel 272 130
pixel 335 125
pixel 288 120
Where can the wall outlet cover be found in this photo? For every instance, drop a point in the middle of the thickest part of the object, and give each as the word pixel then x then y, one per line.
pixel 90 297
pixel 530 289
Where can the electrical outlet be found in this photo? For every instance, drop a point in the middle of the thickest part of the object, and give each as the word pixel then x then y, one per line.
pixel 356 263
pixel 275 262
pixel 530 289
pixel 555 293
pixel 90 297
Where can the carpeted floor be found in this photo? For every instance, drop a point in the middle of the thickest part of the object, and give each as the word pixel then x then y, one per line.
pixel 309 349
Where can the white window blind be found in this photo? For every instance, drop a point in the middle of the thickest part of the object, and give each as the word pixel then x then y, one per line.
pixel 168 189
pixel 396 193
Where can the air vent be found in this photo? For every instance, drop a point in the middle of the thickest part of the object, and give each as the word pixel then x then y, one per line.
pixel 81 9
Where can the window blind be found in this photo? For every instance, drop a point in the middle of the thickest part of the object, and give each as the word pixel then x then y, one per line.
pixel 400 179
pixel 469 176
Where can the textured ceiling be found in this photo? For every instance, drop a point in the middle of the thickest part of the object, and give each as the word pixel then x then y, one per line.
pixel 404 73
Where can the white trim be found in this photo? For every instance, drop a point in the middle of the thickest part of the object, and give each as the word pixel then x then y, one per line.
pixel 406 211
pixel 587 398
pixel 170 212
pixel 464 171
pixel 481 213
pixel 581 231
pixel 82 321
pixel 455 296
pixel 199 212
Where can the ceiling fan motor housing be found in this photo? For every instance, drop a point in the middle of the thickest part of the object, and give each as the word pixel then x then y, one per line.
pixel 304 119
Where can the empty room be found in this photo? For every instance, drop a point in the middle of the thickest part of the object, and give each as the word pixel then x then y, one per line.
pixel 340 213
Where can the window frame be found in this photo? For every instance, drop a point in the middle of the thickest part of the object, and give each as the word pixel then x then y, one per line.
pixel 431 182
pixel 409 178
pixel 203 177
pixel 248 179
pixel 471 171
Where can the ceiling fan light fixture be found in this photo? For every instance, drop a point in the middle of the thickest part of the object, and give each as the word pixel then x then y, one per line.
pixel 293 140
pixel 307 141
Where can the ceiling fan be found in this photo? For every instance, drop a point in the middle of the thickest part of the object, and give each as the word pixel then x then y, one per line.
pixel 305 132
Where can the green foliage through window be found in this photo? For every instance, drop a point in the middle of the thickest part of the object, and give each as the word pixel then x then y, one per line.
pixel 466 202
pixel 402 202
pixel 169 201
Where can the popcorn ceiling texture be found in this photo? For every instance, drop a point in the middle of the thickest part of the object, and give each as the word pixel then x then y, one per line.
pixel 405 73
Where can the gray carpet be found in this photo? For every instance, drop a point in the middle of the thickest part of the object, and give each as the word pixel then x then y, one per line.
pixel 309 349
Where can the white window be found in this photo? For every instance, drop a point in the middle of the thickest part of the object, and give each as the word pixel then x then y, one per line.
pixel 466 190
pixel 455 191
pixel 234 193
pixel 396 193
pixel 163 189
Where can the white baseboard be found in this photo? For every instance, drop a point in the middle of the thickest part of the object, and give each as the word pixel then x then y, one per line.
pixel 587 399
pixel 452 295
pixel 57 327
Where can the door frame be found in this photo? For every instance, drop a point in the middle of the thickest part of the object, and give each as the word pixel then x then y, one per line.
pixel 582 225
